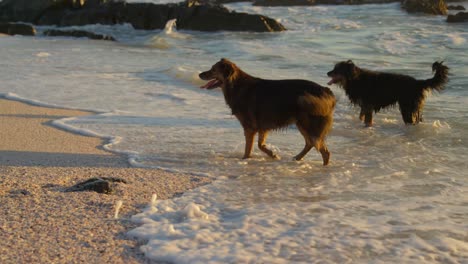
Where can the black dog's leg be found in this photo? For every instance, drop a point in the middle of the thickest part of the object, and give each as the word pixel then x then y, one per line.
pixel 362 115
pixel 408 117
pixel 420 106
pixel 411 112
pixel 366 115
pixel 368 119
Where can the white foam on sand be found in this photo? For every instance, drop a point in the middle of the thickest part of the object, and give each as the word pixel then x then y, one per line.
pixel 213 228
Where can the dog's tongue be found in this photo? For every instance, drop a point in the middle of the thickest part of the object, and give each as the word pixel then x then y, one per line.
pixel 209 84
pixel 332 81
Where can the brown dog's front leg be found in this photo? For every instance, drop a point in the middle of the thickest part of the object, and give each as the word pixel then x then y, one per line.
pixel 262 135
pixel 249 139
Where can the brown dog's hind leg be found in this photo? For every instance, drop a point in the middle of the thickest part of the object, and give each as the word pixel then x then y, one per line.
pixel 306 150
pixel 325 153
pixel 308 144
pixel 262 135
pixel 249 139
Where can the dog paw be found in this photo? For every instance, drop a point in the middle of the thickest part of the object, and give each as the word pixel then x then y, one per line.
pixel 276 157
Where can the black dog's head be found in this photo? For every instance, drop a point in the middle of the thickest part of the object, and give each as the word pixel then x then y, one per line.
pixel 343 71
pixel 219 74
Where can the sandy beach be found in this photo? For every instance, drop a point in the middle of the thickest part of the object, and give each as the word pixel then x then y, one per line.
pixel 39 221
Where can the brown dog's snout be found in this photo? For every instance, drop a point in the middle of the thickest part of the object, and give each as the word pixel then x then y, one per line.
pixel 329 74
pixel 203 75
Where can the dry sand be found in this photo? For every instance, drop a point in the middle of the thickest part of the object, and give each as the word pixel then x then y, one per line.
pixel 39 222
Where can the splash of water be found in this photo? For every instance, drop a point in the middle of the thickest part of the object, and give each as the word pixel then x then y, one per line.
pixel 170 26
pixel 163 39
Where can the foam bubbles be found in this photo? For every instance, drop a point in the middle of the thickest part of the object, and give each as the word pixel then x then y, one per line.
pixel 43 54
pixel 457 39
pixel 395 43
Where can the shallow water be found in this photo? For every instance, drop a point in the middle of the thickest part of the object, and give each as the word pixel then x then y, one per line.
pixel 391 193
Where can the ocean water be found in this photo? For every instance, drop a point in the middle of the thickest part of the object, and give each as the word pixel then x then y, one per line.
pixel 392 193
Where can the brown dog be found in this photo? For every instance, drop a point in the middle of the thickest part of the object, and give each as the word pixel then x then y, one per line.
pixel 262 105
pixel 372 90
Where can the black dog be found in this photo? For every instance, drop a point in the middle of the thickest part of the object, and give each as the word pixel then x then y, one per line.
pixel 373 90
pixel 262 105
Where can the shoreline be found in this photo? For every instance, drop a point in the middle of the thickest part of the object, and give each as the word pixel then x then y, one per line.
pixel 40 222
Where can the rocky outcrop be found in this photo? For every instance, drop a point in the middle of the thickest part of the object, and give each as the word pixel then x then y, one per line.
pixel 284 2
pixel 459 17
pixel 190 15
pixel 216 18
pixel 77 34
pixel 318 2
pixel 17 29
pixel 456 7
pixel 435 7
pixel 29 11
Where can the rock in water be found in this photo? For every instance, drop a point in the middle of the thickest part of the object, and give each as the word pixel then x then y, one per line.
pixel 17 29
pixel 78 34
pixel 459 17
pixel 435 7
pixel 190 15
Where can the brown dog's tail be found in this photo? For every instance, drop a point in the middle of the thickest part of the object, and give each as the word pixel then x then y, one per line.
pixel 323 105
pixel 440 78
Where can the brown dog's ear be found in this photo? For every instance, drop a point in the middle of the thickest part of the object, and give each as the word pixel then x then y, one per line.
pixel 228 69
pixel 350 62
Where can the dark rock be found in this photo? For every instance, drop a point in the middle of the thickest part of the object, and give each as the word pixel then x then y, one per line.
pixel 318 2
pixel 216 18
pixel 459 17
pixel 191 15
pixel 284 2
pixel 20 192
pixel 29 11
pixel 92 12
pixel 147 15
pixel 435 7
pixel 78 34
pixel 114 179
pixel 99 185
pixel 457 7
pixel 17 29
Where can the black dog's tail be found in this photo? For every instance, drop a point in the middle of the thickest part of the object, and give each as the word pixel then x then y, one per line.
pixel 440 78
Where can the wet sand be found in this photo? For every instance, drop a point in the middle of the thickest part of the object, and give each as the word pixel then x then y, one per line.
pixel 39 221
